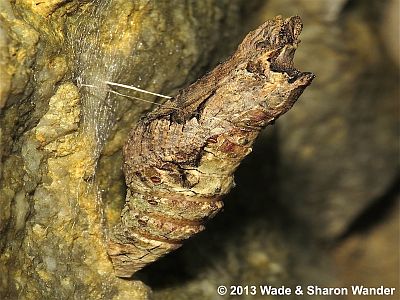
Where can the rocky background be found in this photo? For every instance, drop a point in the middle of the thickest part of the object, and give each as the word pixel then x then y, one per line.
pixel 322 209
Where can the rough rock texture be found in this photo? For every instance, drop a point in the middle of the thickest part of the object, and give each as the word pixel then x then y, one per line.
pixel 53 127
pixel 339 147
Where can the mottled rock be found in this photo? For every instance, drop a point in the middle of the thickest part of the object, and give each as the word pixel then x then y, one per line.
pixel 58 124
pixel 18 46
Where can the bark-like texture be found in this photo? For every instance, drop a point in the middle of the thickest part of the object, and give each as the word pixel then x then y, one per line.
pixel 180 159
pixel 53 129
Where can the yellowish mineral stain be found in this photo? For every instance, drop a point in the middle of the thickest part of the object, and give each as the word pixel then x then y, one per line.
pixel 21 209
pixel 52 126
pixel 74 149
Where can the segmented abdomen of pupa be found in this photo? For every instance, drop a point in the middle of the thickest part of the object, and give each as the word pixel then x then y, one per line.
pixel 179 160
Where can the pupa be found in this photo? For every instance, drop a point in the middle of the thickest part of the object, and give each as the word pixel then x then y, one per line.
pixel 180 159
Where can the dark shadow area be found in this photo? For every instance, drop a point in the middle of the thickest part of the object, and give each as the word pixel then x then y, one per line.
pixel 376 212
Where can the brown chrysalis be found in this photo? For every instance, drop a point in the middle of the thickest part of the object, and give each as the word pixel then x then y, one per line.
pixel 180 159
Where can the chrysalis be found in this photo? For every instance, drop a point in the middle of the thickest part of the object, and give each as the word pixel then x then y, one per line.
pixel 180 159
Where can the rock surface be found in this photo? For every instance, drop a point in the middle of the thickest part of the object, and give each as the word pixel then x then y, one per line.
pixel 56 117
